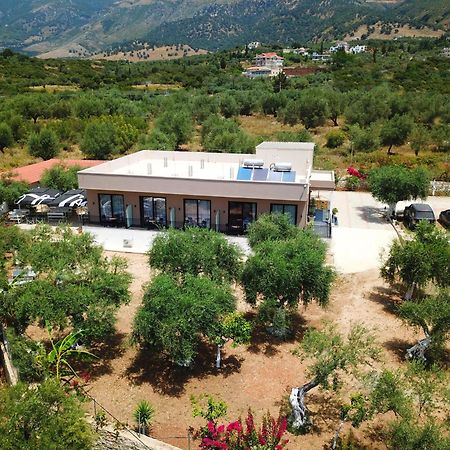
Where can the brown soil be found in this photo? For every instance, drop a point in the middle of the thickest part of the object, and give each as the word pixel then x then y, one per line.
pixel 259 376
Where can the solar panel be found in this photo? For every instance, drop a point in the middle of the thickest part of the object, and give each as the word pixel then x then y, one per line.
pixel 244 174
pixel 289 177
pixel 274 176
pixel 260 174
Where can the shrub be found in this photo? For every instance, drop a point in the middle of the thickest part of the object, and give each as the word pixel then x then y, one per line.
pixel 352 183
pixel 44 144
pixel 143 415
pixel 335 138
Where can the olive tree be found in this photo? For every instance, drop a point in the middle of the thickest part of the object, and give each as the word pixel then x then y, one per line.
pixel 6 136
pixel 331 355
pixel 271 227
pixel 11 190
pixel 281 274
pixel 177 123
pixel 61 177
pixel 42 417
pixel 395 131
pixel 419 261
pixel 74 284
pixel 196 251
pixel 176 315
pixel 391 184
pixel 44 144
pixel 432 316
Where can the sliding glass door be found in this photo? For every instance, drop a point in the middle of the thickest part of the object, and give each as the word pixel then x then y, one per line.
pixel 290 210
pixel 153 212
pixel 197 213
pixel 112 209
pixel 240 216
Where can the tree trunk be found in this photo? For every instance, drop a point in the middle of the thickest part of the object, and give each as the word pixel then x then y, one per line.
pixel 335 121
pixel 389 152
pixel 391 210
pixel 418 351
pixel 409 293
pixel 336 435
pixel 300 414
pixel 218 357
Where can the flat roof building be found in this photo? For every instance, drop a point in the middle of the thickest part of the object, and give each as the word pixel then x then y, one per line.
pixel 223 191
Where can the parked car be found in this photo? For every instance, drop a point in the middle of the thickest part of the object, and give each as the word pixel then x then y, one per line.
pixel 444 218
pixel 417 212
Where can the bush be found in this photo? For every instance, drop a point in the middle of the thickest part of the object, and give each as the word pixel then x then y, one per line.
pixel 44 144
pixel 352 183
pixel 335 138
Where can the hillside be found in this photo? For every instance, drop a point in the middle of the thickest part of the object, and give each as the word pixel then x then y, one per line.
pixel 42 26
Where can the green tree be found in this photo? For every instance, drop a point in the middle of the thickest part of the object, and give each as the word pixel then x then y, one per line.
pixel 44 144
pixel 220 134
pixel 177 123
pixel 42 417
pixel 11 190
pixel 284 273
pixel 280 82
pixel 432 316
pixel 99 140
pixel 175 316
pixel 158 140
pixel 229 107
pixel 419 139
pixel 271 227
pixel 367 108
pixel 419 261
pixel 336 104
pixel 61 177
pixel 331 355
pixel 196 251
pixel 313 109
pixel 33 106
pixel 6 136
pixel 395 131
pixel 364 139
pixel 75 285
pixel 392 184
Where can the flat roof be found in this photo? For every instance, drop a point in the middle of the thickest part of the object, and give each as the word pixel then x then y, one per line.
pixel 210 165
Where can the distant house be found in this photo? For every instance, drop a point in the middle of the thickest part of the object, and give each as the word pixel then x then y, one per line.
pixel 271 60
pixel 253 45
pixel 261 72
pixel 296 51
pixel 358 49
pixel 340 46
pixel 446 52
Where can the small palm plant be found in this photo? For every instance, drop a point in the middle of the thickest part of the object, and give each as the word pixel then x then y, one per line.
pixel 143 415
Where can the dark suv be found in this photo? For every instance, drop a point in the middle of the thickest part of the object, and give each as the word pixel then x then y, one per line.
pixel 417 212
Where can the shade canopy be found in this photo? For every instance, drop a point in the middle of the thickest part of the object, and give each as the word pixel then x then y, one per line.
pixel 38 196
pixel 74 198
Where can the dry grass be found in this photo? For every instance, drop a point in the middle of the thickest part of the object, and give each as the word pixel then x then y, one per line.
pixel 156 87
pixel 15 157
pixel 52 88
pixel 264 126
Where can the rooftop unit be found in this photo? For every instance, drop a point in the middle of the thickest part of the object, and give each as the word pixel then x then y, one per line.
pixel 281 167
pixel 253 163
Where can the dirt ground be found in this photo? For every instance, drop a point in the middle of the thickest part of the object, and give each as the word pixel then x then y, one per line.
pixel 259 376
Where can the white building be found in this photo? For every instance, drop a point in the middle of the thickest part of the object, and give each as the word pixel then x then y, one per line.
pixel 261 72
pixel 271 60
pixel 340 46
pixel 253 45
pixel 358 49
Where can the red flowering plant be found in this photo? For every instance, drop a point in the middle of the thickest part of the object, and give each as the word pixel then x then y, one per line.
pixel 236 436
pixel 356 173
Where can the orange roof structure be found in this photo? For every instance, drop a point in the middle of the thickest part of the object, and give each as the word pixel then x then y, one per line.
pixel 33 173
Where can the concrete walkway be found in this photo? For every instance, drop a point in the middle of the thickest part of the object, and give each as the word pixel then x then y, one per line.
pixel 139 241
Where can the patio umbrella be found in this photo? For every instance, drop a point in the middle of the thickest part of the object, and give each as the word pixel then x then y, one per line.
pixel 37 196
pixel 72 199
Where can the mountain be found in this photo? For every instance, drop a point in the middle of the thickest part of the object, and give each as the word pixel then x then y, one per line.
pixel 40 26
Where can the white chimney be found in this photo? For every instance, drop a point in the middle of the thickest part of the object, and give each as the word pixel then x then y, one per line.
pixel 165 161
pixel 149 168
pixel 190 171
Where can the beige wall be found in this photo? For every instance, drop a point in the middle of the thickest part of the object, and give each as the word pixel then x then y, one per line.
pixel 177 202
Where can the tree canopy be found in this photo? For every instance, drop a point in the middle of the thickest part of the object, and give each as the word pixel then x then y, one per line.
pixel 42 417
pixel 391 184
pixel 196 251
pixel 175 316
pixel 74 285
pixel 61 177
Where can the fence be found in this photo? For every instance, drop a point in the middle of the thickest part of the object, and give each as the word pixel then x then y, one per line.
pixel 147 442
pixel 323 229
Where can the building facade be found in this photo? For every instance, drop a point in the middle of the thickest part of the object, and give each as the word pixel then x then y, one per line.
pixel 222 191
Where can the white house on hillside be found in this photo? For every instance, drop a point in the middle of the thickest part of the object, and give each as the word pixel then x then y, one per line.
pixel 253 45
pixel 271 60
pixel 358 49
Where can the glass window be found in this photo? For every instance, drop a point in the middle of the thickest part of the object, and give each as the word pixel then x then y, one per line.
pixel 290 210
pixel 153 211
pixel 197 213
pixel 241 215
pixel 111 207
